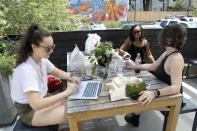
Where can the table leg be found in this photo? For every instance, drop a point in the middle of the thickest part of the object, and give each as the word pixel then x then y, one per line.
pixel 173 115
pixel 73 124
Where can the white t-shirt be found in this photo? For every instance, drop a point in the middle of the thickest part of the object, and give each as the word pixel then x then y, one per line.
pixel 27 77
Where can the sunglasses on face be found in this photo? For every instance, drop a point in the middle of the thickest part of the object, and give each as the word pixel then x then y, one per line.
pixel 135 32
pixel 48 49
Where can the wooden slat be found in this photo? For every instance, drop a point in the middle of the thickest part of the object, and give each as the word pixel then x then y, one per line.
pixel 107 105
pixel 81 103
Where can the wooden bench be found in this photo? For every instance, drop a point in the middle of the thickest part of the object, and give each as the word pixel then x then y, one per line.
pixel 189 107
pixel 192 62
pixel 20 126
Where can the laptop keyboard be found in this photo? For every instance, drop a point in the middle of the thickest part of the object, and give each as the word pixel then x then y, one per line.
pixel 91 89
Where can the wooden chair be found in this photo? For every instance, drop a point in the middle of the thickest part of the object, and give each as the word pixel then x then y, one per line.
pixel 192 62
pixel 20 126
pixel 189 107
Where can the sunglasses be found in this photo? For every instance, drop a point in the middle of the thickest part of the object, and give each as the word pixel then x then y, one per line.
pixel 135 32
pixel 48 49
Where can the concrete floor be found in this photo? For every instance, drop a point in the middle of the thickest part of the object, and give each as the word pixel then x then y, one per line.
pixel 149 120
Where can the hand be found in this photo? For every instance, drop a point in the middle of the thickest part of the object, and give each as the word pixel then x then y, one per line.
pixel 126 55
pixel 75 79
pixel 129 65
pixel 71 88
pixel 146 97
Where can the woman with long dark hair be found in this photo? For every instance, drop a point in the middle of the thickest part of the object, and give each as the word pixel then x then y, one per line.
pixel 168 67
pixel 136 43
pixel 29 91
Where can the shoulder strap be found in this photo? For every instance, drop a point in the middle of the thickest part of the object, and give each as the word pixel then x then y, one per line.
pixel 172 53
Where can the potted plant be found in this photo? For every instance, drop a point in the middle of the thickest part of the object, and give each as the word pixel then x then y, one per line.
pixel 100 58
pixel 8 112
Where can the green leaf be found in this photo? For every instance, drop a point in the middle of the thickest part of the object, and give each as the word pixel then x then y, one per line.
pixel 92 60
pixel 99 57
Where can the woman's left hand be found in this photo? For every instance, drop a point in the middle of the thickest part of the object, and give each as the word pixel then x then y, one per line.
pixel 146 97
pixel 75 79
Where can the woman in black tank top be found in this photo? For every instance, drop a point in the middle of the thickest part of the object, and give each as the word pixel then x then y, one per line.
pixel 136 43
pixel 167 68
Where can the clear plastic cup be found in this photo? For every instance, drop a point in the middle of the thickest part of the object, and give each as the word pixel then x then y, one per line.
pixel 88 70
pixel 120 68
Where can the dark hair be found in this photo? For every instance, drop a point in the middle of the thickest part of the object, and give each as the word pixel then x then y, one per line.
pixel 131 36
pixel 176 33
pixel 34 35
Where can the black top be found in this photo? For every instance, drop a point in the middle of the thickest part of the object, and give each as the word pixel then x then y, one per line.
pixel 160 71
pixel 133 50
pixel 163 76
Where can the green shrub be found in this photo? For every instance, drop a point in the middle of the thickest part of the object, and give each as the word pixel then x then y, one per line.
pixel 7 54
pixel 85 25
pixel 112 24
pixel 6 64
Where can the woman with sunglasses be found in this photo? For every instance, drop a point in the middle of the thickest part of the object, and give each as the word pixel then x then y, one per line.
pixel 167 68
pixel 34 106
pixel 136 43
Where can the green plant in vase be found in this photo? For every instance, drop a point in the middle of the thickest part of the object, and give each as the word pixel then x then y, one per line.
pixel 101 55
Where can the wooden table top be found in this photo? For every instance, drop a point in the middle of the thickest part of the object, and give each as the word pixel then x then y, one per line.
pixel 104 102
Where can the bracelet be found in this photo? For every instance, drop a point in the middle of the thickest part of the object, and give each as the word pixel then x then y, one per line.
pixel 155 93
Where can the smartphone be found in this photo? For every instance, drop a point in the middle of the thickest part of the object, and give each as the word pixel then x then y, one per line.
pixel 135 97
pixel 86 78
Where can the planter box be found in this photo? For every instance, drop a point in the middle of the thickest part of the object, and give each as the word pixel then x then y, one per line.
pixel 8 111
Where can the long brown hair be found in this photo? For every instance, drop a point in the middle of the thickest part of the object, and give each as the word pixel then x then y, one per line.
pixel 34 35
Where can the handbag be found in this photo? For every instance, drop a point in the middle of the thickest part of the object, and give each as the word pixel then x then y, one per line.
pixel 54 84
pixel 133 89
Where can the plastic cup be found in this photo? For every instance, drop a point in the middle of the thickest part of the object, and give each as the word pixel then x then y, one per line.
pixel 88 71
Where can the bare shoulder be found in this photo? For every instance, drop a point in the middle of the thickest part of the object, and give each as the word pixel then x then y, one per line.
pixel 145 42
pixel 177 59
pixel 128 41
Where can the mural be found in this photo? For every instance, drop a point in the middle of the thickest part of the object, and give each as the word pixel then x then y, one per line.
pixel 101 10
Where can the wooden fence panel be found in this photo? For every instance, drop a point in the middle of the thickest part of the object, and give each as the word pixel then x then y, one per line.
pixel 146 16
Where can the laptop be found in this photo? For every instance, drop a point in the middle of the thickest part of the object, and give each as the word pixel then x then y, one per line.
pixel 88 90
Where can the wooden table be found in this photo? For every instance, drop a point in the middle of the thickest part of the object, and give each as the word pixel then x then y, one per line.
pixel 80 110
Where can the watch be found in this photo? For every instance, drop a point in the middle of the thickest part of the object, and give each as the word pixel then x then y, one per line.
pixel 156 92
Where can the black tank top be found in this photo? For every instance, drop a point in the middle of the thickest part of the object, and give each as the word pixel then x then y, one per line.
pixel 133 50
pixel 160 71
pixel 163 76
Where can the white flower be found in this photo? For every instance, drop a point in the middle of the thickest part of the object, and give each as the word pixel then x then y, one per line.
pixel 108 52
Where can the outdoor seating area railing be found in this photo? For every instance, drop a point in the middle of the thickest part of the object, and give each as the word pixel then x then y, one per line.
pixel 192 62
